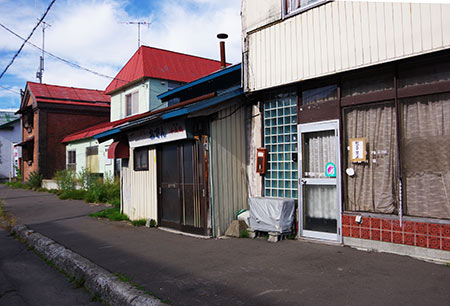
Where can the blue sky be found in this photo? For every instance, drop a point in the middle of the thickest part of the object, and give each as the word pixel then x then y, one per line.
pixel 92 34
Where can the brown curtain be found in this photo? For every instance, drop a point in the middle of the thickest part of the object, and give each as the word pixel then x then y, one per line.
pixel 373 188
pixel 426 151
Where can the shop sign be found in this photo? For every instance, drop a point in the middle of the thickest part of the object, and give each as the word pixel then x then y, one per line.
pixel 164 132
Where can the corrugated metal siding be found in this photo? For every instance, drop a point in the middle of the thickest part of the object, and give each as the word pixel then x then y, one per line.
pixel 228 167
pixel 139 191
pixel 344 35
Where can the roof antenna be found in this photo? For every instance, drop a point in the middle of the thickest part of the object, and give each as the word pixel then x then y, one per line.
pixel 139 28
pixel 40 73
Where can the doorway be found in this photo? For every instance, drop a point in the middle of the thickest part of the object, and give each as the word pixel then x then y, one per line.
pixel 319 180
pixel 182 181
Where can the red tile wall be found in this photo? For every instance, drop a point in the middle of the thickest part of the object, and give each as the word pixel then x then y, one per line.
pixel 421 234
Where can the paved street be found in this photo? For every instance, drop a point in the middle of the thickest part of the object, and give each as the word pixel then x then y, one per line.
pixel 190 271
pixel 25 279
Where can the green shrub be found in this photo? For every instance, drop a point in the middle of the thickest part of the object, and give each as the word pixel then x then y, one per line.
pixel 66 180
pixel 140 222
pixel 35 179
pixel 152 223
pixel 112 214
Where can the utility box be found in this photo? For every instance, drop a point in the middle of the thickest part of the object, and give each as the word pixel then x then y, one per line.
pixel 271 214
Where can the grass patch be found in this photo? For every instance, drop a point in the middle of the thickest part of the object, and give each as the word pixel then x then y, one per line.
pixel 17 185
pixel 140 222
pixel 244 234
pixel 72 195
pixel 112 214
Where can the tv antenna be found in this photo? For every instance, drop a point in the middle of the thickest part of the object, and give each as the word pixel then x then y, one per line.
pixel 139 23
pixel 40 73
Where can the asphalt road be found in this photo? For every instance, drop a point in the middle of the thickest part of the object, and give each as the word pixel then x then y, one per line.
pixel 190 271
pixel 26 280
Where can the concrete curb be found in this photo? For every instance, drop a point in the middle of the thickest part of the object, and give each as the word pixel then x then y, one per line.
pixel 97 280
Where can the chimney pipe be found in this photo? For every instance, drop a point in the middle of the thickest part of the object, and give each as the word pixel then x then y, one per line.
pixel 223 62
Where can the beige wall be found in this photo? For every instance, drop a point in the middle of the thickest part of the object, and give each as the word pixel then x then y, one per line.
pixel 340 36
pixel 139 190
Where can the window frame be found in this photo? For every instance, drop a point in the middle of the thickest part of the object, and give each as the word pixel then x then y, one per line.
pixel 300 8
pixel 138 165
pixel 71 165
pixel 131 103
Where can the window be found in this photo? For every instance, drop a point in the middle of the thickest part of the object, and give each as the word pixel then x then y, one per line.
pixel 71 160
pixel 374 186
pixel 280 139
pixel 132 103
pixel 411 174
pixel 426 155
pixel 140 159
pixel 92 159
pixel 292 6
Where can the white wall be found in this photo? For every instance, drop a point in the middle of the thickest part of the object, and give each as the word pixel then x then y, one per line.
pixel 340 36
pixel 80 148
pixel 118 100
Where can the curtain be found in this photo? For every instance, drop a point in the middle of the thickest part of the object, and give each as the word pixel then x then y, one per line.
pixel 426 151
pixel 373 188
pixel 320 149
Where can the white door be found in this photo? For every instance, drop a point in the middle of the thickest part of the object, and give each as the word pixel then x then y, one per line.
pixel 319 180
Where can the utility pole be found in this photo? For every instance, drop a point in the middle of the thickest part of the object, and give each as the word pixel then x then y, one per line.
pixel 139 28
pixel 40 73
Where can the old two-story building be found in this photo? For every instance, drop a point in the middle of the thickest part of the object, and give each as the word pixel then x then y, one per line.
pixel 51 112
pixel 148 73
pixel 354 98
pixel 184 165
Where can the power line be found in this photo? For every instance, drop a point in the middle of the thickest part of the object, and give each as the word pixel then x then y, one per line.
pixel 62 59
pixel 26 40
pixel 11 90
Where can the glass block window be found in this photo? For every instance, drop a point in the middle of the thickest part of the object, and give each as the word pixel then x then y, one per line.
pixel 280 139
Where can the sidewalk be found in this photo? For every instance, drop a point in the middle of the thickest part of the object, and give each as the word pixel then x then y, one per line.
pixel 190 271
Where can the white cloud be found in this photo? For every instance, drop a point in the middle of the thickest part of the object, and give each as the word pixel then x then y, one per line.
pixel 89 33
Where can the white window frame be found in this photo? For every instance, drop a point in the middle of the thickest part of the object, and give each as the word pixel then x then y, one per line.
pixel 134 100
pixel 300 8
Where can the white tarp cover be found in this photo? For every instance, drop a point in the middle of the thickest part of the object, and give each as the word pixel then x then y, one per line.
pixel 271 214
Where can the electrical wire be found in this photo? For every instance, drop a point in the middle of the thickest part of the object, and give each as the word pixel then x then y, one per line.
pixel 11 90
pixel 62 59
pixel 26 40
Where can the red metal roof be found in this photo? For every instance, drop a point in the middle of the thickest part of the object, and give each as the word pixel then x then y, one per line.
pixel 162 64
pixel 68 95
pixel 89 132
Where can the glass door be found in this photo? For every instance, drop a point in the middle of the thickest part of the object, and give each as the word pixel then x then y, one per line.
pixel 319 180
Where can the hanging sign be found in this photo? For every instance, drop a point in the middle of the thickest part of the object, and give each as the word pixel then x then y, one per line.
pixel 164 132
pixel 330 170
pixel 358 150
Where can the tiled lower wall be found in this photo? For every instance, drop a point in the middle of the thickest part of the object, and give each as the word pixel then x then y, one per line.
pixel 426 235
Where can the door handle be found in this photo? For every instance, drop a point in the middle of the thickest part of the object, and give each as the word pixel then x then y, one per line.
pixel 159 190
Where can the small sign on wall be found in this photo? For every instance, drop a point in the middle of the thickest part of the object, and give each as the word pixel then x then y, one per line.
pixel 358 150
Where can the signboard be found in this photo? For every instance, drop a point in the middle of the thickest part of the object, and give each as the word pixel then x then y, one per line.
pixel 164 132
pixel 358 150
pixel 17 155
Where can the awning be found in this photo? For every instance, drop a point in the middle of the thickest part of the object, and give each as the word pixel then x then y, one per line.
pixel 119 149
pixel 25 142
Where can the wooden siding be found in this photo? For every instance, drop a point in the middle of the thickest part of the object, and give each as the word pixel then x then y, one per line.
pixel 228 167
pixel 343 35
pixel 139 190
